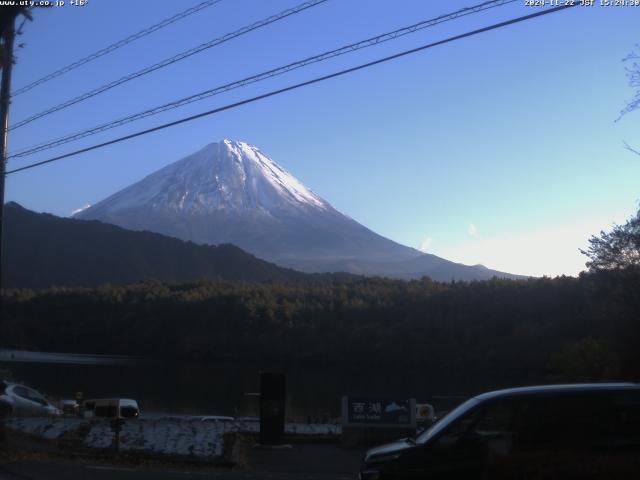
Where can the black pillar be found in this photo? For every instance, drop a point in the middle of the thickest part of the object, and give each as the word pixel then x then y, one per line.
pixel 273 391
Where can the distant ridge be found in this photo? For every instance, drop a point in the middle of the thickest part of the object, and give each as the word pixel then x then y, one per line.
pixel 42 250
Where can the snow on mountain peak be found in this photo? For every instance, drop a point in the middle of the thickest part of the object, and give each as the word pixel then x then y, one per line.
pixel 278 177
pixel 226 175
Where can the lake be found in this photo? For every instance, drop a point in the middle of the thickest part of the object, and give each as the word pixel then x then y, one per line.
pixel 223 388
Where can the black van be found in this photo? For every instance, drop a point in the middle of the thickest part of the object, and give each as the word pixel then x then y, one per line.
pixel 584 431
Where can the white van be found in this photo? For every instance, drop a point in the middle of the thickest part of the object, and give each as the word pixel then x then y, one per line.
pixel 111 408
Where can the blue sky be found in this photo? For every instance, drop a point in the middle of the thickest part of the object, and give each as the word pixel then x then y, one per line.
pixel 498 149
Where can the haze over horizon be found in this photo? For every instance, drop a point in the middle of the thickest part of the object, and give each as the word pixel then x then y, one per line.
pixel 516 178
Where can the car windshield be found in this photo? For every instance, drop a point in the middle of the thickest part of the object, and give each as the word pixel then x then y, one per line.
pixel 449 419
pixel 294 238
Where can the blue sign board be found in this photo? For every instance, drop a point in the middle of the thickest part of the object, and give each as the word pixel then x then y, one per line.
pixel 379 411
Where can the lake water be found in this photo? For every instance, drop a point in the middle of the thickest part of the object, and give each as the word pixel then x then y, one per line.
pixel 223 388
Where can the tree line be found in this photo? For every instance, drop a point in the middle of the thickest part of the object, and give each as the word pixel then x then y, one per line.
pixel 534 330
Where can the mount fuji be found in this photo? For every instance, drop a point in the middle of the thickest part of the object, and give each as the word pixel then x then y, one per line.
pixel 231 192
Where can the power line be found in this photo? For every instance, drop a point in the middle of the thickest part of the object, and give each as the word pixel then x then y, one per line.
pixel 296 86
pixel 261 76
pixel 114 46
pixel 172 60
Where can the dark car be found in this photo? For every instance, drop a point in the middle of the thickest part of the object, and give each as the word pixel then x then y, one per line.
pixel 584 431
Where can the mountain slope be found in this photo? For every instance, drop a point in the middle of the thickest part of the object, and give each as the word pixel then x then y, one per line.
pixel 42 250
pixel 230 192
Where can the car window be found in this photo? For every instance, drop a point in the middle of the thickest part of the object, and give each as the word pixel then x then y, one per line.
pixel 565 421
pixel 106 411
pixel 496 419
pixel 35 396
pixel 453 421
pixel 21 392
pixel 456 430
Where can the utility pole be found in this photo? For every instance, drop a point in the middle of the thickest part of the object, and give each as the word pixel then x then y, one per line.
pixel 8 36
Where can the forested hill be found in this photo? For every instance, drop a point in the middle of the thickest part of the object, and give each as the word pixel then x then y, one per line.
pixel 43 250
pixel 489 333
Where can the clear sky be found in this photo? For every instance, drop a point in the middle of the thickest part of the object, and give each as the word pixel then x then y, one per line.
pixel 500 149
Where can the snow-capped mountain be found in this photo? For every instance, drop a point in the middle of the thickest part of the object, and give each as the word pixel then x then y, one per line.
pixel 231 192
pixel 222 176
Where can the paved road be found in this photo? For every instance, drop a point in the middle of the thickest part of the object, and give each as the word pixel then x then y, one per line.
pixel 77 470
pixel 300 462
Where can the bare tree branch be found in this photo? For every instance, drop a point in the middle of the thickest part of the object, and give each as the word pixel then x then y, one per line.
pixel 630 148
pixel 632 70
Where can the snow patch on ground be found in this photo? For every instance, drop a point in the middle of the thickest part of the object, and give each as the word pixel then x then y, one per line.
pixel 169 437
pixel 161 436
pixel 45 427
